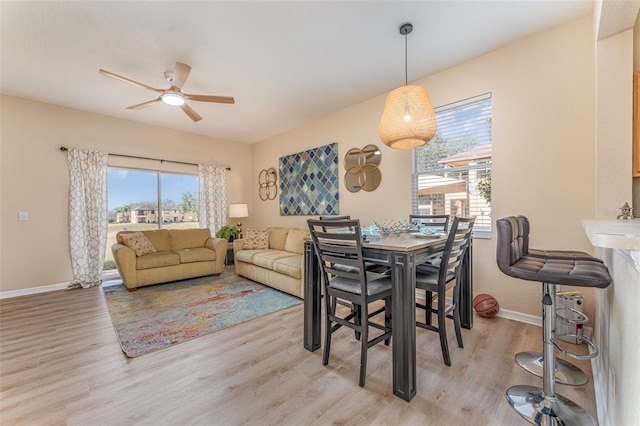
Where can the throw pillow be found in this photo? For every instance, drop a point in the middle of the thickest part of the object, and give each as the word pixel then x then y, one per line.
pixel 138 242
pixel 277 237
pixel 295 240
pixel 256 239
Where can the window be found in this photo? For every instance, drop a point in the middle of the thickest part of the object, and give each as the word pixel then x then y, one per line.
pixel 142 200
pixel 452 173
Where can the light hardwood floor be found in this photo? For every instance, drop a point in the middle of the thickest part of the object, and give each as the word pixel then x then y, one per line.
pixel 60 363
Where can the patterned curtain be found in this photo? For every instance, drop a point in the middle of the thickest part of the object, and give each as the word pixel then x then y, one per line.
pixel 87 215
pixel 213 197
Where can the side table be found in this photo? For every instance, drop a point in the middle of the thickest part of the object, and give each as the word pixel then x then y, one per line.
pixel 229 260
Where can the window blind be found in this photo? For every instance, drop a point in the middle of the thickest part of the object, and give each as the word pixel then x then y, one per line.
pixel 452 173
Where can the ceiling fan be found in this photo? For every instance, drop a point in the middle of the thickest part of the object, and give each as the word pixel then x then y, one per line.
pixel 173 95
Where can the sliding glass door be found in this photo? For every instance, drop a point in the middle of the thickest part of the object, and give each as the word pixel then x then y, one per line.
pixel 149 199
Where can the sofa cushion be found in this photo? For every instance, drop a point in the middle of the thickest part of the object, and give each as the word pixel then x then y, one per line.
pixel 198 254
pixel 277 237
pixel 159 238
pixel 295 240
pixel 256 239
pixel 246 255
pixel 188 238
pixel 268 257
pixel 290 266
pixel 138 242
pixel 158 259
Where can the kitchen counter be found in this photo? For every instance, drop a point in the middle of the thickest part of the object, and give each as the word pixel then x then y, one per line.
pixel 616 371
pixel 622 235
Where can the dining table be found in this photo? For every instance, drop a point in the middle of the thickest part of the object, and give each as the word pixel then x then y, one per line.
pixel 400 253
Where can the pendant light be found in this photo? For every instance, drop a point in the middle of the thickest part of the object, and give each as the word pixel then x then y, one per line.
pixel 408 120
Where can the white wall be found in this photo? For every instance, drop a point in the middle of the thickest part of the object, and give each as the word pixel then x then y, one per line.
pixel 543 150
pixel 34 178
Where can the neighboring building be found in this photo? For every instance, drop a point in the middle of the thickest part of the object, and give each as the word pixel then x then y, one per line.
pixel 456 191
pixel 148 213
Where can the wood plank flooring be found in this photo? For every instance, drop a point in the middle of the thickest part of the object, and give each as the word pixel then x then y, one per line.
pixel 60 363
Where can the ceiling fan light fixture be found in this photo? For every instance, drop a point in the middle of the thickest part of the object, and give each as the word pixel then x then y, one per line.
pixel 408 120
pixel 174 99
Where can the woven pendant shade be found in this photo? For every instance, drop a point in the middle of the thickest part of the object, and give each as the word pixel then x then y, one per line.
pixel 408 120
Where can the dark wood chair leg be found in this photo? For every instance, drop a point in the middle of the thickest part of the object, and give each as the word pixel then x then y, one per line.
pixel 387 317
pixel 456 315
pixel 428 303
pixel 364 343
pixel 329 310
pixel 442 330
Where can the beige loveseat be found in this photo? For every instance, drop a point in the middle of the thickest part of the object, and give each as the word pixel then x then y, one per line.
pixel 280 265
pixel 167 255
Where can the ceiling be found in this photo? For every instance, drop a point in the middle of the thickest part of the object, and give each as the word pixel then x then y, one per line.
pixel 286 63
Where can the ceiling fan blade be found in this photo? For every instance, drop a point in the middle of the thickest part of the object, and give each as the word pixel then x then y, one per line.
pixel 190 112
pixel 207 98
pixel 180 74
pixel 128 80
pixel 145 104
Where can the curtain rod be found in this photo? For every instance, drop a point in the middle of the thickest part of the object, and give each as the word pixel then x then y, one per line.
pixel 64 148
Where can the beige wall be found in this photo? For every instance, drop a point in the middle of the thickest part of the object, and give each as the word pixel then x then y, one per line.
pixel 34 178
pixel 614 100
pixel 543 149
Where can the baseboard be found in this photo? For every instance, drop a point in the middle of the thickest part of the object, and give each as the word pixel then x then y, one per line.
pixel 520 317
pixel 33 290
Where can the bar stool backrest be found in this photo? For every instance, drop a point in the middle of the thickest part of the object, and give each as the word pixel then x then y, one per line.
pixel 513 240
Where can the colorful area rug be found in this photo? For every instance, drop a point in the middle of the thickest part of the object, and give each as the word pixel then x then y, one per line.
pixel 159 316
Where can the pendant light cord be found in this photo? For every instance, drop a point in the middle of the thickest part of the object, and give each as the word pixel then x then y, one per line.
pixel 406 62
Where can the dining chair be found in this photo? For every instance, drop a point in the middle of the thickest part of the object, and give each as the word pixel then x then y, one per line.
pixel 441 223
pixel 368 266
pixel 438 221
pixel 351 283
pixel 437 281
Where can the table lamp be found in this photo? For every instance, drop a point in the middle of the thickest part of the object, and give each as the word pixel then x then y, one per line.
pixel 238 210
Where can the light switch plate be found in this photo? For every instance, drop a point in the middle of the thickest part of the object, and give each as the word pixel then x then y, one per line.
pixel 23 216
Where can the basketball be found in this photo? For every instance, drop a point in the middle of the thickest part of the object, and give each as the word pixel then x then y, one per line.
pixel 486 305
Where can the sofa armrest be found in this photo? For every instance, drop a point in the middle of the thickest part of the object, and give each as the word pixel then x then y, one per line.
pixel 219 245
pixel 125 259
pixel 238 244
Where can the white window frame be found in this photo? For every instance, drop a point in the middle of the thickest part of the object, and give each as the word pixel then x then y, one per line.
pixel 484 228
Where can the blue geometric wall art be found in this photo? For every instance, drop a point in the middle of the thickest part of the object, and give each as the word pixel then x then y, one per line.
pixel 309 182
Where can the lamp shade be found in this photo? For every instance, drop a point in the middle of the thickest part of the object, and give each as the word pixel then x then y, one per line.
pixel 408 120
pixel 238 210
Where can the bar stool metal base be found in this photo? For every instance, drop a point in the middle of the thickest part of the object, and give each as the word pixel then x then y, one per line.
pixel 530 403
pixel 565 372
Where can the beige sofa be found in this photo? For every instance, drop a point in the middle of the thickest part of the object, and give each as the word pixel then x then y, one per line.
pixel 173 254
pixel 280 266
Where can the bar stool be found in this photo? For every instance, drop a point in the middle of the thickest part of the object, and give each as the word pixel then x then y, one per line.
pixel 543 406
pixel 566 372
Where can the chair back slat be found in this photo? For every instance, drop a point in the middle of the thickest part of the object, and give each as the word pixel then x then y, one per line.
pixel 338 244
pixel 458 241
pixel 439 221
